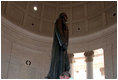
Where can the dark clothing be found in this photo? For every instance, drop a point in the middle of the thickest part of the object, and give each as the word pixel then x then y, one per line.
pixel 59 60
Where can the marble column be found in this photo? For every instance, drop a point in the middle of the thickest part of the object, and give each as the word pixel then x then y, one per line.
pixel 89 64
pixel 71 60
pixel 102 71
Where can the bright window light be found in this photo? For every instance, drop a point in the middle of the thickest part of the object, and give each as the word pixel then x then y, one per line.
pixel 81 54
pixel 80 65
pixel 98 51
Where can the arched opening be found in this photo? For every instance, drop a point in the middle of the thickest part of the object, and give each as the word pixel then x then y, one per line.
pixel 80 70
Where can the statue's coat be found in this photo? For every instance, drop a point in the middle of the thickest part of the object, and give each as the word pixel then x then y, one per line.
pixel 59 60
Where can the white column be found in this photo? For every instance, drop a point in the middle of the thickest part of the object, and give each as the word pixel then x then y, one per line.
pixel 72 68
pixel 89 70
pixel 89 62
pixel 71 60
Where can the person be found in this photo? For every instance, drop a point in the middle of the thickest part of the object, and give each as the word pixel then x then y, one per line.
pixel 65 75
pixel 59 59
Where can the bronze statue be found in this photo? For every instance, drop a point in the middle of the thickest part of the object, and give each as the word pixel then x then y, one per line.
pixel 59 60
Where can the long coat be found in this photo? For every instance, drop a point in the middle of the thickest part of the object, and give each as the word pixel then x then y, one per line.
pixel 59 60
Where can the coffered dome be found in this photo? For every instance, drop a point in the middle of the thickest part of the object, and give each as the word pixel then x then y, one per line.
pixel 84 18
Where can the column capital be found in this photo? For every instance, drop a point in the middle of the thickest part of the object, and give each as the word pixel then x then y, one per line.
pixel 70 55
pixel 70 58
pixel 89 56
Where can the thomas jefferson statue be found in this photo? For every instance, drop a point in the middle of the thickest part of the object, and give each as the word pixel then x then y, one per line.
pixel 59 60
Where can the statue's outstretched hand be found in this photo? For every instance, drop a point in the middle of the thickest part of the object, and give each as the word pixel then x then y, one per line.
pixel 64 46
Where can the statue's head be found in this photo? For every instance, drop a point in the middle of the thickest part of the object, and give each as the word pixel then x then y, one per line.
pixel 63 16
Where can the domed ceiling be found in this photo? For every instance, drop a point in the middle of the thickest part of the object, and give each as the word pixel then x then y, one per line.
pixel 84 17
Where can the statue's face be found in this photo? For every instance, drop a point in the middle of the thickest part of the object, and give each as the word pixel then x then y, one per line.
pixel 65 18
